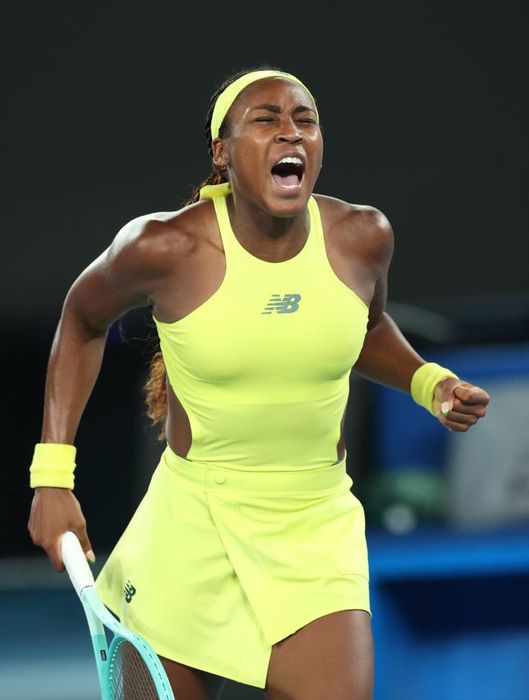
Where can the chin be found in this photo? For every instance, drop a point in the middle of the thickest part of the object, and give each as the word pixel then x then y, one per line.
pixel 287 204
pixel 286 209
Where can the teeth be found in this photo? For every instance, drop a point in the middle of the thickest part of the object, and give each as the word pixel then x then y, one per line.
pixel 290 159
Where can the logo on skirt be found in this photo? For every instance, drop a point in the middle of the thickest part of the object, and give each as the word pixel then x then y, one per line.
pixel 129 591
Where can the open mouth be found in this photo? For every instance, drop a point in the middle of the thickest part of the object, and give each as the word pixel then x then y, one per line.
pixel 288 172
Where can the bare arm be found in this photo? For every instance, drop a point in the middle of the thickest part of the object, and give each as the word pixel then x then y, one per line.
pixel 388 358
pixel 94 302
pixel 121 278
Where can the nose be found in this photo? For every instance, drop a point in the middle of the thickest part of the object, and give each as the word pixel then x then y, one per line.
pixel 288 132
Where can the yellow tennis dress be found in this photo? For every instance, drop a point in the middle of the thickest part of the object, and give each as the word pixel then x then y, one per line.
pixel 255 532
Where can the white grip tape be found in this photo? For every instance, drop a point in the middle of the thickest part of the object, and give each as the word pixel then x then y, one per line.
pixel 75 562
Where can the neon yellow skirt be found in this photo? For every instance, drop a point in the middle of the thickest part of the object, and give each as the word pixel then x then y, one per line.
pixel 218 564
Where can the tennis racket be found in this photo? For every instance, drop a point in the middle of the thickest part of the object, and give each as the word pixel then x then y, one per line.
pixel 129 668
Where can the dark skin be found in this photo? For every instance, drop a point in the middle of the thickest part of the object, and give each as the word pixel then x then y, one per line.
pixel 175 263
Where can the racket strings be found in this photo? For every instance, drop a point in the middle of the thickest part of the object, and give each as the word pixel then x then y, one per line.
pixel 129 677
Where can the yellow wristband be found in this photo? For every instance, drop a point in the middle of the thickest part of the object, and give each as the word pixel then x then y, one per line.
pixel 53 465
pixel 424 381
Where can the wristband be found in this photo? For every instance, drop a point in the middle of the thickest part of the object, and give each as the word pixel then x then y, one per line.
pixel 424 381
pixel 53 465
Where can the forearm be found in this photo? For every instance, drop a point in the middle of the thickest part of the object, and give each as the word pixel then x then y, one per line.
pixel 387 357
pixel 74 365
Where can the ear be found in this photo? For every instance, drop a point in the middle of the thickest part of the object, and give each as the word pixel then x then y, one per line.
pixel 220 156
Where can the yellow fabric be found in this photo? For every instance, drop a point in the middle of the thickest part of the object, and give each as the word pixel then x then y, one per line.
pixel 212 191
pixel 230 94
pixel 255 533
pixel 53 465
pixel 218 563
pixel 424 381
pixel 262 366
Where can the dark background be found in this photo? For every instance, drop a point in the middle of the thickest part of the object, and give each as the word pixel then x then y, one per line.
pixel 424 108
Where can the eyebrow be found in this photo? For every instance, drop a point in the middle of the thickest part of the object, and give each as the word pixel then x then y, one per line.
pixel 277 109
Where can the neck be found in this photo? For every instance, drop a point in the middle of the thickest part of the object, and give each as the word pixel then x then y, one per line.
pixel 271 238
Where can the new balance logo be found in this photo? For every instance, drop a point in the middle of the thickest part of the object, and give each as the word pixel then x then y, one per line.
pixel 283 305
pixel 129 591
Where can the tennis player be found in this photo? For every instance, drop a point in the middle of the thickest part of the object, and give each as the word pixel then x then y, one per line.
pixel 246 559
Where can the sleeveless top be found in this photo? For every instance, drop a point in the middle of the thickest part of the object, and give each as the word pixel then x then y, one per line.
pixel 262 366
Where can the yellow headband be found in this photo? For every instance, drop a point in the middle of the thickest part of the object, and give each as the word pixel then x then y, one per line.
pixel 230 94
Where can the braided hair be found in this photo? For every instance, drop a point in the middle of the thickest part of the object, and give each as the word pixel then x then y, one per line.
pixel 156 385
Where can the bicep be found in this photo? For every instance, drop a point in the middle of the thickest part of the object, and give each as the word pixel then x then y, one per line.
pixel 115 282
pixel 98 298
pixel 381 254
pixel 377 306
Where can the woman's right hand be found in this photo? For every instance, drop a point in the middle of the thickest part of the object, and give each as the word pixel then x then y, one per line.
pixel 53 512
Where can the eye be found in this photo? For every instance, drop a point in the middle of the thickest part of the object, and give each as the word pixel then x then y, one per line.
pixel 264 119
pixel 307 120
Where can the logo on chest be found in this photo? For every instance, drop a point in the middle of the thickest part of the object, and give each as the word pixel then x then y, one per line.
pixel 286 304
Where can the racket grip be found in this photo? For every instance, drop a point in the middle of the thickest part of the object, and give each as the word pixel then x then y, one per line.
pixel 75 562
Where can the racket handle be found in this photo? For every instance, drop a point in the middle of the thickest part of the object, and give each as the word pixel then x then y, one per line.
pixel 75 562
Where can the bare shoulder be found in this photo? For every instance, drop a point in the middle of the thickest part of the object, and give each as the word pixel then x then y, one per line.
pixel 158 242
pixel 356 226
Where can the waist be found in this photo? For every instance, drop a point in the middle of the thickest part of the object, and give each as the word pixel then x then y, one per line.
pixel 296 482
pixel 265 436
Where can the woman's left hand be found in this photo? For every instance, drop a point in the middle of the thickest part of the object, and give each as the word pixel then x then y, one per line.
pixel 459 405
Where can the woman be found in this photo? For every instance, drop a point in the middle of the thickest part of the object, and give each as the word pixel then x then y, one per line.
pixel 246 559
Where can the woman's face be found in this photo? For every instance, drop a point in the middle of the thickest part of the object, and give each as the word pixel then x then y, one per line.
pixel 274 148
